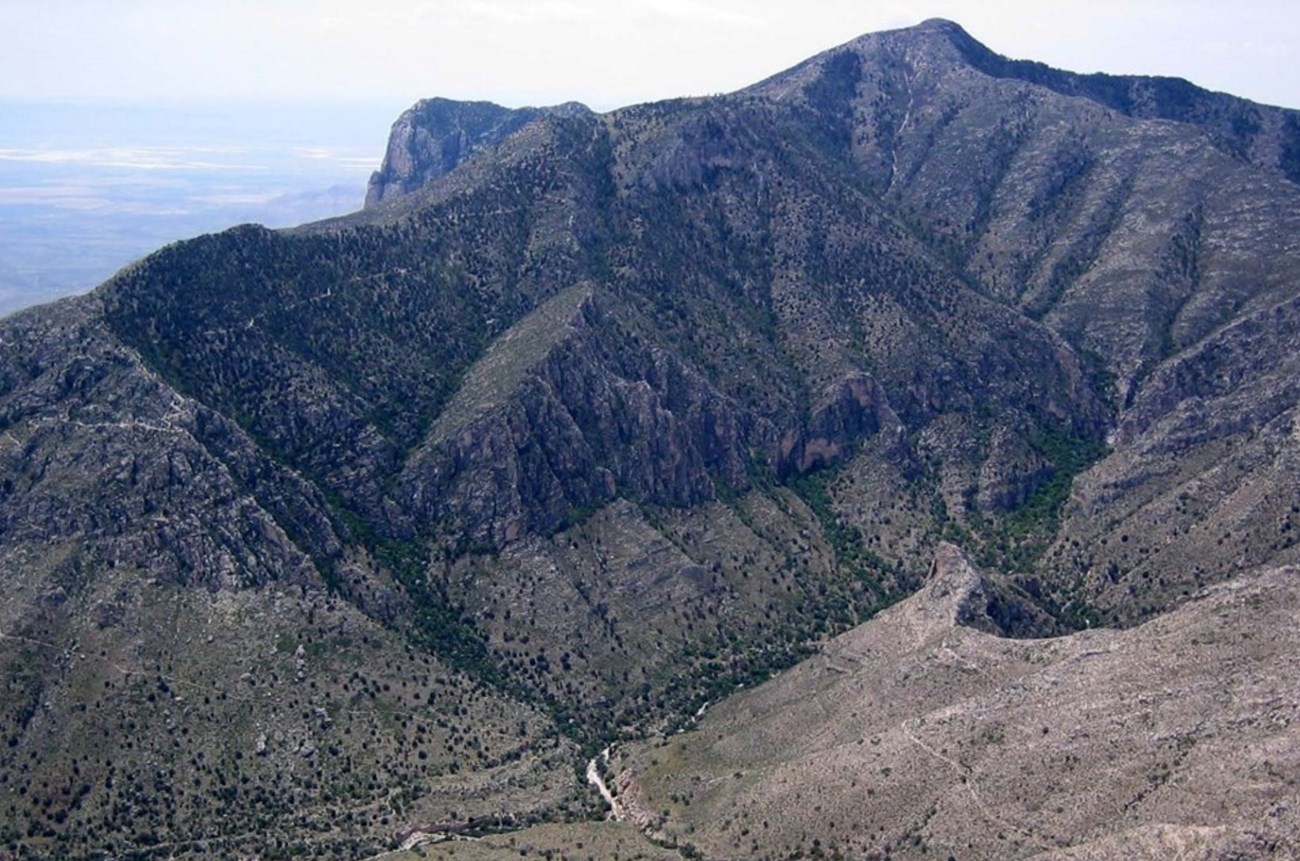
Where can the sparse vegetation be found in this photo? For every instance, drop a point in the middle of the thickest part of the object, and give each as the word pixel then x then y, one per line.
pixel 314 539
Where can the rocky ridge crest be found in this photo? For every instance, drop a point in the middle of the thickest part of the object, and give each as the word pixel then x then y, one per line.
pixel 604 415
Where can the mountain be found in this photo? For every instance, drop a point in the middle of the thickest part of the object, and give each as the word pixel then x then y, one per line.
pixel 317 540
pixel 435 135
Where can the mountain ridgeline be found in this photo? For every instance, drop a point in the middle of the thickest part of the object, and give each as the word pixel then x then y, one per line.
pixel 315 538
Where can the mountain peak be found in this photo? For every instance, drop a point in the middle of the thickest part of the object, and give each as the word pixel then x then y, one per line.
pixel 1265 136
pixel 434 135
pixel 403 515
pixel 940 25
pixel 932 34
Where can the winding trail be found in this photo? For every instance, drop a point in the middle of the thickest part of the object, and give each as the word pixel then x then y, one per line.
pixel 967 775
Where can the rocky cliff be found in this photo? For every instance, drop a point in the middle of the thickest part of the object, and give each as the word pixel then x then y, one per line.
pixel 588 419
pixel 433 136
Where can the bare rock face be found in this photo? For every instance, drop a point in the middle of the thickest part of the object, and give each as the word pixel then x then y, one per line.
pixel 588 419
pixel 851 409
pixel 432 137
pixel 566 430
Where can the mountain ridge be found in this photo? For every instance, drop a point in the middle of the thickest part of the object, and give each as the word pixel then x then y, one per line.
pixel 607 414
pixel 1264 135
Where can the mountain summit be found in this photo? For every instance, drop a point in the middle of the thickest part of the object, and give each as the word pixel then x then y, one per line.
pixel 376 530
pixel 435 135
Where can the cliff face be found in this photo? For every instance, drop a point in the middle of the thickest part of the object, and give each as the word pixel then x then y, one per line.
pixel 596 415
pixel 433 136
pixel 588 418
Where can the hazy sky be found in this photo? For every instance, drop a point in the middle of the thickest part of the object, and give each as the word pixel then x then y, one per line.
pixel 603 52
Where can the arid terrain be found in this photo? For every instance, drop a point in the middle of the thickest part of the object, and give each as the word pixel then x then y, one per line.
pixel 916 431
pixel 915 735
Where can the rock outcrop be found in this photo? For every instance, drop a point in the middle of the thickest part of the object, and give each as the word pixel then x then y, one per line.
pixel 566 412
pixel 588 419
pixel 432 137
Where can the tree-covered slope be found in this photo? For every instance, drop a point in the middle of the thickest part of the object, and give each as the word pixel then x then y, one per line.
pixel 587 419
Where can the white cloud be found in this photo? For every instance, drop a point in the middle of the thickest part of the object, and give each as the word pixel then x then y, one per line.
pixel 235 198
pixel 58 197
pixel 513 14
pixel 331 154
pixel 704 13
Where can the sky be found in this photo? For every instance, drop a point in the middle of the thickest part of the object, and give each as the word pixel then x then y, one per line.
pixel 386 54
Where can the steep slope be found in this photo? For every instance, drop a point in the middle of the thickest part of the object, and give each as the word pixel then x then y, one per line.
pixel 436 372
pixel 435 135
pixel 179 677
pixel 1265 136
pixel 594 417
pixel 1157 250
pixel 915 736
pixel 1134 240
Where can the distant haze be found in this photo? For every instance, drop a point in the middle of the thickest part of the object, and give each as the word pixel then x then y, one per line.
pixel 87 188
